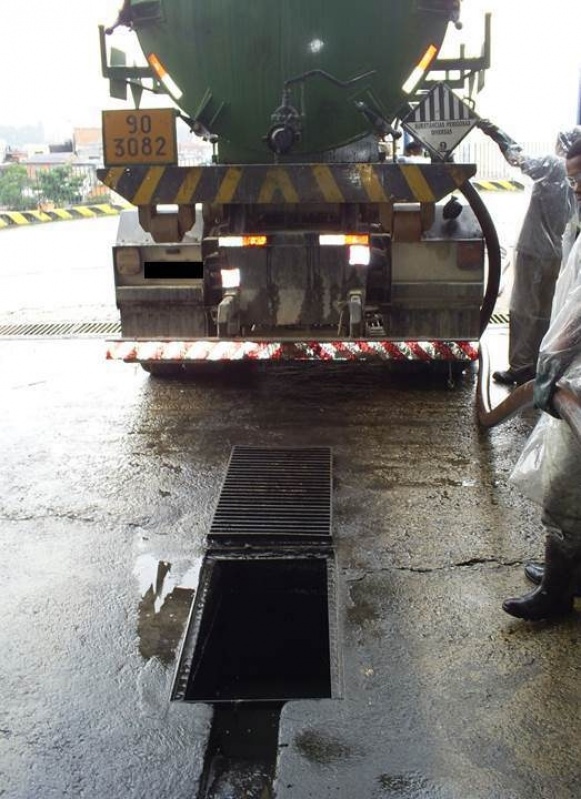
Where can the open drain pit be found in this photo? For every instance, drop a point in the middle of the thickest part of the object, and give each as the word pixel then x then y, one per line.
pixel 260 630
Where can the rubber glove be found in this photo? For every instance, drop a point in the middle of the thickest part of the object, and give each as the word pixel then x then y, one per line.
pixel 499 136
pixel 548 373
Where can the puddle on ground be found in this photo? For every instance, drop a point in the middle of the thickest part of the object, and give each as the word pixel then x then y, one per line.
pixel 164 607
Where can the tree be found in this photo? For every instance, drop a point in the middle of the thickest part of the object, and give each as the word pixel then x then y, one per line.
pixel 60 186
pixel 15 186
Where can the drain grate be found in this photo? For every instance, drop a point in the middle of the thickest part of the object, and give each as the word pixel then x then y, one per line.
pixel 275 493
pixel 61 329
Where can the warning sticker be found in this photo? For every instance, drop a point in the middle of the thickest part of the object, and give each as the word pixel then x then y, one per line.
pixel 440 121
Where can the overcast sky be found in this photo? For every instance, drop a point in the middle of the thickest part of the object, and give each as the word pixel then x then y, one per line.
pixel 50 63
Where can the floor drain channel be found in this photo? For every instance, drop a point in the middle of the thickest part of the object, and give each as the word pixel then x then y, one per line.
pixel 241 754
pixel 263 627
pixel 60 329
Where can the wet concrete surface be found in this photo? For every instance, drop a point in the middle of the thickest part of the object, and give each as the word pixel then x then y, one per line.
pixel 109 481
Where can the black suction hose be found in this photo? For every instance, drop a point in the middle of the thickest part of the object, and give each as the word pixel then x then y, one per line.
pixel 566 402
pixel 493 252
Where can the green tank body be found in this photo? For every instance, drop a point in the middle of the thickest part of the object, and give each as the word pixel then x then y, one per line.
pixel 232 61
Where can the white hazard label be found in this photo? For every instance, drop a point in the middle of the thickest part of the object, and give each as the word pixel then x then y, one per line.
pixel 440 121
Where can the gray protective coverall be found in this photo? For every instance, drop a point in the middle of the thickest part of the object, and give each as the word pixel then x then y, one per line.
pixel 538 255
pixel 539 249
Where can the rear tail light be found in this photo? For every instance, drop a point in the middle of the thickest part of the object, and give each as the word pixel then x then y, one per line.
pixel 343 239
pixel 242 241
pixel 230 278
pixel 359 255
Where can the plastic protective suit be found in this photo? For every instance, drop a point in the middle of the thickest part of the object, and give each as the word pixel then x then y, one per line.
pixel 539 249
pixel 549 468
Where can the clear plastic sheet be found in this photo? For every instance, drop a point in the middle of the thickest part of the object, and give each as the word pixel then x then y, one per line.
pixel 549 468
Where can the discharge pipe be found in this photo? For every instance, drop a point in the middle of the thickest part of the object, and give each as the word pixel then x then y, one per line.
pixel 566 402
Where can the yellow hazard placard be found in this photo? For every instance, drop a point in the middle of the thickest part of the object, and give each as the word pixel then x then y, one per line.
pixel 139 137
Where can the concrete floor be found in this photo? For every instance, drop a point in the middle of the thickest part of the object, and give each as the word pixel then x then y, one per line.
pixel 109 481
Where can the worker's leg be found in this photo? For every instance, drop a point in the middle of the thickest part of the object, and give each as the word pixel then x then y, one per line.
pixel 530 312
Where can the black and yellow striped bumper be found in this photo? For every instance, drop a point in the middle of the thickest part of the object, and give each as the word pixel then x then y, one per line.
pixel 289 183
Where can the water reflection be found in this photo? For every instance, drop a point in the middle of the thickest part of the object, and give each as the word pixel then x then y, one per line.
pixel 164 607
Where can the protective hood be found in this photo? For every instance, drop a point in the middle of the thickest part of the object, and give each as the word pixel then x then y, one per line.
pixel 565 139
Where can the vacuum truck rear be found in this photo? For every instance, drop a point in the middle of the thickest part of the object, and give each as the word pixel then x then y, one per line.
pixel 307 236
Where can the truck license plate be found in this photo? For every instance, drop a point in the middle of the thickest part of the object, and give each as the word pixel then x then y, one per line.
pixel 139 137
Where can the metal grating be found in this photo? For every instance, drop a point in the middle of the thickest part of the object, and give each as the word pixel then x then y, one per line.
pixel 277 493
pixel 61 329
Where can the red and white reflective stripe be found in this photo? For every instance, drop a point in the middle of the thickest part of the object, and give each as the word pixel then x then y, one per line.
pixel 196 351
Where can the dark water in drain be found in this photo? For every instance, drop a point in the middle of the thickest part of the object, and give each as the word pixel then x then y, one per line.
pixel 264 632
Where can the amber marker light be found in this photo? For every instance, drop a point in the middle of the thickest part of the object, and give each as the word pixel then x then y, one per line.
pixel 420 69
pixel 343 239
pixel 164 76
pixel 242 241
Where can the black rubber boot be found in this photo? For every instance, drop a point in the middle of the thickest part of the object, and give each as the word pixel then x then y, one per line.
pixel 534 572
pixel 513 377
pixel 554 596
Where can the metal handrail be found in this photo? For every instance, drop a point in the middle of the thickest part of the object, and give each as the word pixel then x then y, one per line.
pixel 566 402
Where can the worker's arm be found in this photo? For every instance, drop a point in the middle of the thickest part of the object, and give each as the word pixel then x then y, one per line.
pixel 511 150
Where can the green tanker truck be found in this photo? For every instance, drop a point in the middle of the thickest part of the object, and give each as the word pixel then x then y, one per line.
pixel 307 236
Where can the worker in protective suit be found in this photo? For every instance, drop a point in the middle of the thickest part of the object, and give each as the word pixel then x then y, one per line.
pixel 549 468
pixel 538 252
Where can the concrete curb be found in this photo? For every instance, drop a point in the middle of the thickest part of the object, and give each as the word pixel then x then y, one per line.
pixel 12 218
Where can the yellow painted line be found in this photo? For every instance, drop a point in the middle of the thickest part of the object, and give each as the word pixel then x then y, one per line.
pixel 278 178
pixel 371 183
pixel 229 185
pixel 3 223
pixel 149 184
pixel 418 184
pixel 62 213
pixel 189 186
pixel 329 189
pixel 18 218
